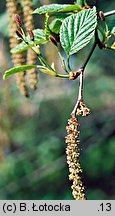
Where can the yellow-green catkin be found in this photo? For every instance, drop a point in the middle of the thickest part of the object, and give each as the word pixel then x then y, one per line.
pixel 13 7
pixel 31 55
pixel 73 159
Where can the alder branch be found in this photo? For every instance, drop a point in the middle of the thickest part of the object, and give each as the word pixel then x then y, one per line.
pixel 109 13
pixel 82 68
pixel 89 56
pixel 80 94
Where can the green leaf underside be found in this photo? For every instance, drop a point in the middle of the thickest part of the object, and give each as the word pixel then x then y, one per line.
pixel 55 26
pixel 60 16
pixel 77 30
pixel 56 8
pixel 80 2
pixel 56 23
pixel 39 37
pixel 17 70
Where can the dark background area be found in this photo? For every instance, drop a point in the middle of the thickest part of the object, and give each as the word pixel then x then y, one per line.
pixel 32 131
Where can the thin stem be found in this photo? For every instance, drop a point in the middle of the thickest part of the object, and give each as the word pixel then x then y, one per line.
pixel 39 55
pixel 68 64
pixel 89 56
pixel 62 75
pixel 80 94
pixel 51 73
pixel 109 13
pixel 79 2
pixel 62 60
pixel 85 3
pixel 44 62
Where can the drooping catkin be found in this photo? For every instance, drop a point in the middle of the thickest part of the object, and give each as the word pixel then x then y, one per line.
pixel 31 55
pixel 73 159
pixel 13 7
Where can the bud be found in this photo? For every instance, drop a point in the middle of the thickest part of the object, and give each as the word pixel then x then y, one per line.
pixel 53 40
pixel 18 20
pixel 106 46
pixel 56 36
pixel 101 15
pixel 31 34
pixel 19 34
pixel 74 75
pixel 86 7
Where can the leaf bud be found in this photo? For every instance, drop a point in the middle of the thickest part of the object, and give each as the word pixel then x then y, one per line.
pixel 56 36
pixel 19 34
pixel 31 34
pixel 86 7
pixel 74 75
pixel 18 20
pixel 53 40
pixel 101 15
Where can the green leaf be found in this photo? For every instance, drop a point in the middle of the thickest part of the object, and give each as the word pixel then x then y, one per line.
pixel 60 16
pixel 113 46
pixel 39 37
pixel 77 30
pixel 101 33
pixel 52 8
pixel 113 31
pixel 55 26
pixel 79 2
pixel 57 22
pixel 17 70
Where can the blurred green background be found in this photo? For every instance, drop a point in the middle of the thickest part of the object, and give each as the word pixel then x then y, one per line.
pixel 32 131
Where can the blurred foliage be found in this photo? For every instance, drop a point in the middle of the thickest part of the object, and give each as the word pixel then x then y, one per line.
pixel 32 148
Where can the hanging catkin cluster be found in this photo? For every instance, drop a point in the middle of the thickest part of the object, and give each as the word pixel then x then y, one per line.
pixel 73 159
pixel 13 7
pixel 31 55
